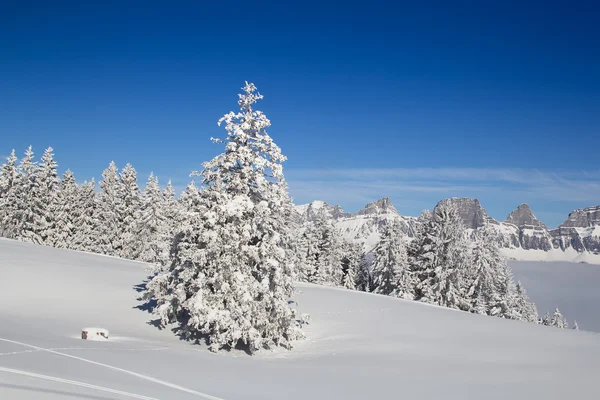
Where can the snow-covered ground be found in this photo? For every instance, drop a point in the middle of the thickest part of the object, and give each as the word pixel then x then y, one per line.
pixel 358 345
pixel 572 287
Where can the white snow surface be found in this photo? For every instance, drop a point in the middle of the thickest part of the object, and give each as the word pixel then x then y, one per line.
pixel 358 345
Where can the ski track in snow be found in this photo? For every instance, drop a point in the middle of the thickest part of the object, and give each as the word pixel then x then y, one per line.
pixel 75 383
pixel 138 375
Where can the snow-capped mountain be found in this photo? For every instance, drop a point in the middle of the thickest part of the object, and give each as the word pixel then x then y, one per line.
pixel 521 235
pixel 364 226
pixel 581 231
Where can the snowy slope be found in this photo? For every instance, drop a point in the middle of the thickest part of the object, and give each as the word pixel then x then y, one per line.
pixel 358 345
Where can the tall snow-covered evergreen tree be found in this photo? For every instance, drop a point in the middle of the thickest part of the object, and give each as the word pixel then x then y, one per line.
pixel 8 177
pixel 47 198
pixel 85 219
pixel 152 241
pixel 439 258
pixel 109 226
pixel 365 280
pixel 8 174
pixel 487 277
pixel 65 212
pixel 235 286
pixel 23 204
pixel 351 264
pixel 390 264
pixel 322 254
pixel 526 309
pixel 129 194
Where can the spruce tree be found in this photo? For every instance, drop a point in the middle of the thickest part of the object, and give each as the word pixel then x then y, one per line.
pixel 128 206
pixel 233 284
pixel 66 212
pixel 46 201
pixel 86 219
pixel 558 320
pixel 8 177
pixel 390 264
pixel 439 258
pixel 152 242
pixel 108 228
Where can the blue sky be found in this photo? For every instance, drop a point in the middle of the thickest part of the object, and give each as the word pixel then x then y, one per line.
pixel 416 102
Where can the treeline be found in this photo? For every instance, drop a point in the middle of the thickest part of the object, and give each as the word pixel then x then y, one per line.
pixel 438 266
pixel 38 206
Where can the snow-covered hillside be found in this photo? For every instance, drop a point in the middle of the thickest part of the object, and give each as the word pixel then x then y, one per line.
pixel 358 345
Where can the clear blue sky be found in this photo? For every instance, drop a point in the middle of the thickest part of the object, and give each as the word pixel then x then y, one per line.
pixel 494 100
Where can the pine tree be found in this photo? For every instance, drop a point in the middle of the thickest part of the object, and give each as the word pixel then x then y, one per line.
pixel 439 258
pixel 85 219
pixel 487 276
pixel 8 177
pixel 109 226
pixel 547 320
pixel 129 195
pixel 23 213
pixel 322 253
pixel 152 241
pixel 365 280
pixel 351 264
pixel 235 286
pixel 172 213
pixel 558 320
pixel 46 201
pixel 8 174
pixel 390 264
pixel 575 326
pixel 66 212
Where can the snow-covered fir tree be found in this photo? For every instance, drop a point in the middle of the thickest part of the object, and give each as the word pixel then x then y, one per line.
pixel 547 320
pixel 558 321
pixel 351 264
pixel 526 309
pixel 575 326
pixel 439 257
pixel 234 288
pixel 65 211
pixel 108 227
pixel 364 279
pixel 151 232
pixel 85 219
pixel 322 253
pixel 172 214
pixel 47 198
pixel 23 204
pixel 8 174
pixel 390 264
pixel 484 277
pixel 129 195
pixel 8 177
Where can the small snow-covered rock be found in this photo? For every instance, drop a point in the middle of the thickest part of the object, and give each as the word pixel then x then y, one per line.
pixel 94 334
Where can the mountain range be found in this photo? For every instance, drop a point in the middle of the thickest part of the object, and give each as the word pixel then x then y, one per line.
pixel 520 236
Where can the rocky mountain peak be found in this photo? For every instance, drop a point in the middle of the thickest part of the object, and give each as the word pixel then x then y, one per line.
pixel 524 216
pixel 471 212
pixel 583 218
pixel 381 206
